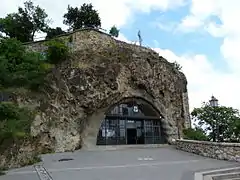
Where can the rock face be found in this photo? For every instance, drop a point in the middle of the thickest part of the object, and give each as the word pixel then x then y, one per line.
pixel 102 71
pixel 223 151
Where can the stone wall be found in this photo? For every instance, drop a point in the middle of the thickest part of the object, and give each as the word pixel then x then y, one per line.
pixel 222 151
pixel 76 40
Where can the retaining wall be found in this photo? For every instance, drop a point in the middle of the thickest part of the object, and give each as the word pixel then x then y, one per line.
pixel 223 151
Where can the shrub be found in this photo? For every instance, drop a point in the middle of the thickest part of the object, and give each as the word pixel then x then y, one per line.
pixel 15 123
pixel 57 51
pixel 12 49
pixel 18 67
pixel 195 134
pixel 114 31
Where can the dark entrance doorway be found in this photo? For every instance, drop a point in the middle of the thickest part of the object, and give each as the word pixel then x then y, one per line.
pixel 131 136
pixel 131 122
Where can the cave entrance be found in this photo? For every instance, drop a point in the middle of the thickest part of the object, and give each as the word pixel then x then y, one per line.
pixel 131 121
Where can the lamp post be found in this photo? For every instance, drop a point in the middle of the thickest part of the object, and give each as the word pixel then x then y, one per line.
pixel 214 103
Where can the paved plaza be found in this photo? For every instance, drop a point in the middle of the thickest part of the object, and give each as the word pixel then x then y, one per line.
pixel 163 163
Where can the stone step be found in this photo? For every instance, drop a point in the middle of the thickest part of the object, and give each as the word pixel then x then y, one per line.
pixel 223 171
pixel 220 173
pixel 122 147
pixel 226 176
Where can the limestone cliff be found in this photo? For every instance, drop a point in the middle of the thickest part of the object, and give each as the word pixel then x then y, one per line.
pixel 101 72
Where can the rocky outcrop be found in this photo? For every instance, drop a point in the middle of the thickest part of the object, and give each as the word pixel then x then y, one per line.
pixel 100 72
pixel 223 151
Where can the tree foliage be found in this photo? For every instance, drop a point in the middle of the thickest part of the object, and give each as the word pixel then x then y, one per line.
pixel 24 24
pixel 221 119
pixel 51 32
pixel 195 134
pixel 114 31
pixel 15 26
pixel 57 51
pixel 19 67
pixel 85 16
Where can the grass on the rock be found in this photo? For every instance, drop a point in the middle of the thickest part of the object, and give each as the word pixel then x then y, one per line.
pixel 34 160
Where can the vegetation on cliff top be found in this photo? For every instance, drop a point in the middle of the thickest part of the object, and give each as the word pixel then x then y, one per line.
pixel 19 67
pixel 114 31
pixel 24 24
pixel 85 16
pixel 31 19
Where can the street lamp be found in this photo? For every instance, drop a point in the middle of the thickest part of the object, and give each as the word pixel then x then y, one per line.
pixel 214 103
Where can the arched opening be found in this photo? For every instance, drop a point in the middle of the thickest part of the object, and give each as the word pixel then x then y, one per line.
pixel 131 121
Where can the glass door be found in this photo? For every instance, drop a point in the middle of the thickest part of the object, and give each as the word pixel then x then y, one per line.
pixel 140 132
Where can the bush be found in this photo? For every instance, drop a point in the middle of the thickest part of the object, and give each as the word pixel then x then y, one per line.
pixel 12 49
pixel 114 31
pixel 18 67
pixel 57 51
pixel 195 134
pixel 15 123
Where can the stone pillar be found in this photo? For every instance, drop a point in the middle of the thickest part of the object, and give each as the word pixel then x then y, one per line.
pixel 186 110
pixel 89 135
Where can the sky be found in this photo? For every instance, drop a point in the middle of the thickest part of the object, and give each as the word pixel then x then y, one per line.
pixel 201 35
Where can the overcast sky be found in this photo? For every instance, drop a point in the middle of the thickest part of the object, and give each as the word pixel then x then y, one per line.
pixel 202 35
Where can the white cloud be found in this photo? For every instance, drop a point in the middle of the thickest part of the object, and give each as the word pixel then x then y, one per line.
pixel 230 51
pixel 166 26
pixel 190 23
pixel 204 80
pixel 216 30
pixel 147 5
pixel 201 18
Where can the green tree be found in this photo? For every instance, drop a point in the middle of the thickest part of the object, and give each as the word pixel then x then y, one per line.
pixel 15 26
pixel 114 31
pixel 24 24
pixel 195 134
pixel 86 16
pixel 19 67
pixel 51 33
pixel 221 119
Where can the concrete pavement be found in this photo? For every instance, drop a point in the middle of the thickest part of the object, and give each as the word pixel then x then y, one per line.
pixel 164 163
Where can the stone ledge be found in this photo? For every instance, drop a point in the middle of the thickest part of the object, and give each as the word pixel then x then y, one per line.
pixel 222 151
pixel 217 174
pixel 123 147
pixel 209 143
